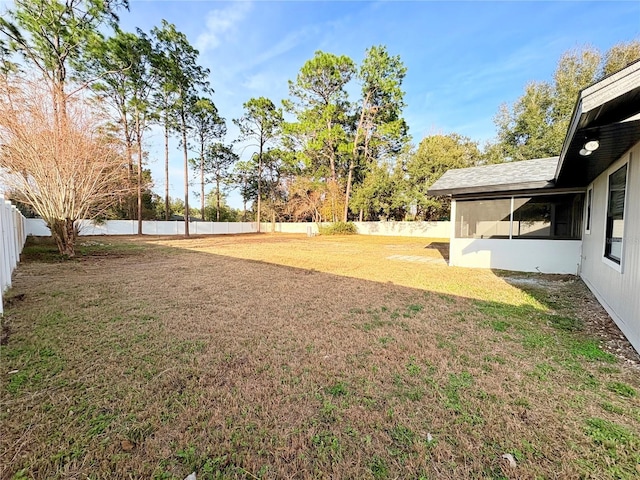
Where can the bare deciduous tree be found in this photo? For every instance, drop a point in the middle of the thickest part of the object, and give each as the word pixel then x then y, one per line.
pixel 66 168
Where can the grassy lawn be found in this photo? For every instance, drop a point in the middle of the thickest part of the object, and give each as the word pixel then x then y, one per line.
pixel 282 356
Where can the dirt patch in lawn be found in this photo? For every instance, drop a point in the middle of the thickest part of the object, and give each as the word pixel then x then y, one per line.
pixel 283 356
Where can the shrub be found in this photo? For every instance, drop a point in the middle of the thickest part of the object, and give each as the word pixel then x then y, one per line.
pixel 338 228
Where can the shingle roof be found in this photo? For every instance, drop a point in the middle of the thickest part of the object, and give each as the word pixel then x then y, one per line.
pixel 502 177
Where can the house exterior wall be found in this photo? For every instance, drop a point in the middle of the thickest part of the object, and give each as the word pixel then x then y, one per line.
pixel 617 289
pixel 544 256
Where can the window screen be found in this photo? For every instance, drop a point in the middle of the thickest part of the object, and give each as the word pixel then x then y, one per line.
pixel 549 216
pixel 483 218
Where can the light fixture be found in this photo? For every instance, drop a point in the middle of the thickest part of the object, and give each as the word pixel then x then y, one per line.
pixel 585 153
pixel 592 145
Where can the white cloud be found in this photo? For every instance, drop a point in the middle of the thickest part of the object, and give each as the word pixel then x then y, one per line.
pixel 286 44
pixel 221 22
pixel 259 81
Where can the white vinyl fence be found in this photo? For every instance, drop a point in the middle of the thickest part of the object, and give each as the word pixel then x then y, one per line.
pixel 37 227
pixel 387 229
pixel 13 234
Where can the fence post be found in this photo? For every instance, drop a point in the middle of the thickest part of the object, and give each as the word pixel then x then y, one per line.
pixel 17 246
pixel 10 238
pixel 5 269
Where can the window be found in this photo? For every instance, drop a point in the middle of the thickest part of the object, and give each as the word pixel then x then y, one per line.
pixel 554 217
pixel 587 216
pixel 615 215
pixel 483 218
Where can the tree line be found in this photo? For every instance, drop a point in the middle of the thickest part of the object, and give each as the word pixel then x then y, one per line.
pixel 78 95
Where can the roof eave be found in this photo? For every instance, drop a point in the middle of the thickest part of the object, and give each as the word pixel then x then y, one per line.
pixel 573 128
pixel 588 114
pixel 500 188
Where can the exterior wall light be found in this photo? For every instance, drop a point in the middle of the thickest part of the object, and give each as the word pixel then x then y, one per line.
pixel 585 153
pixel 592 145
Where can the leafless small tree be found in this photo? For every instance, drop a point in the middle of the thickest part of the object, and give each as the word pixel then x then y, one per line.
pixel 63 165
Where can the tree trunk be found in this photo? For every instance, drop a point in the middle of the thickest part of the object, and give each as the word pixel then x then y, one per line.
pixel 167 213
pixel 244 201
pixel 202 180
pixel 139 176
pixel 186 173
pixel 129 149
pixel 259 187
pixel 64 233
pixel 128 140
pixel 345 217
pixel 217 198
pixel 332 156
pixel 202 206
pixel 352 160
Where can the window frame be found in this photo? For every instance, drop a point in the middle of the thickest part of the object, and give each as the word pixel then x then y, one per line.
pixel 588 210
pixel 619 267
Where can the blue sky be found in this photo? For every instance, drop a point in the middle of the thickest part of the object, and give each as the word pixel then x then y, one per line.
pixel 464 59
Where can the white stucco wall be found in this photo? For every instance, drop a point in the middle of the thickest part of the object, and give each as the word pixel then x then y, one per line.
pixel 617 289
pixel 544 256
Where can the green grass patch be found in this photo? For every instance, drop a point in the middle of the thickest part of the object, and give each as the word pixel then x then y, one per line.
pixel 35 365
pixel 610 435
pixel 542 371
pixel 611 408
pixel 338 389
pixel 590 350
pixel 413 368
pixel 403 439
pixel 327 447
pixel 568 324
pixel 500 325
pixel 379 467
pixel 413 310
pixel 622 389
pixel 456 383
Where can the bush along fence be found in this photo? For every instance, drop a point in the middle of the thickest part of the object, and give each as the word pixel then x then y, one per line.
pixel 13 234
pixel 37 227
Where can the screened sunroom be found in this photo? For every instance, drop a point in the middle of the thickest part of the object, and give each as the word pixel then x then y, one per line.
pixel 509 216
pixel 553 217
pixel 578 213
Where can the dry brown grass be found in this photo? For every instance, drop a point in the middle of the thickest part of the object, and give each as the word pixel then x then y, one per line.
pixel 282 356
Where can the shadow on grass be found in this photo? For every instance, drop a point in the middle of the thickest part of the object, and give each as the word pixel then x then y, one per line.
pixel 441 247
pixel 163 361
